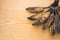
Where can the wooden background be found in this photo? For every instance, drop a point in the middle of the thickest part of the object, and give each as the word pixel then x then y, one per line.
pixel 14 24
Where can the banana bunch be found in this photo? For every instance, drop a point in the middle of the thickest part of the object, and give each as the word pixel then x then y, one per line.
pixel 48 16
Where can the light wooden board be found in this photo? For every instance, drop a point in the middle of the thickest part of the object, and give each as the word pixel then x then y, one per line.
pixel 14 24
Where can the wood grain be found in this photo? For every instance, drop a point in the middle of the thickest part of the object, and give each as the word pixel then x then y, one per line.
pixel 14 24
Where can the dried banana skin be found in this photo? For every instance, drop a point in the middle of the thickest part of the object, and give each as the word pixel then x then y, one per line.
pixel 59 27
pixel 49 16
pixel 42 19
pixel 48 22
pixel 34 17
pixel 52 29
pixel 57 23
pixel 36 9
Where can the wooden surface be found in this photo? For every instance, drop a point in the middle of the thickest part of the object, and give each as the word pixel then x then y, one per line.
pixel 14 24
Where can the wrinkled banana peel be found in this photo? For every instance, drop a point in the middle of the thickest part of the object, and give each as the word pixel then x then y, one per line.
pixel 34 9
pixel 49 16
